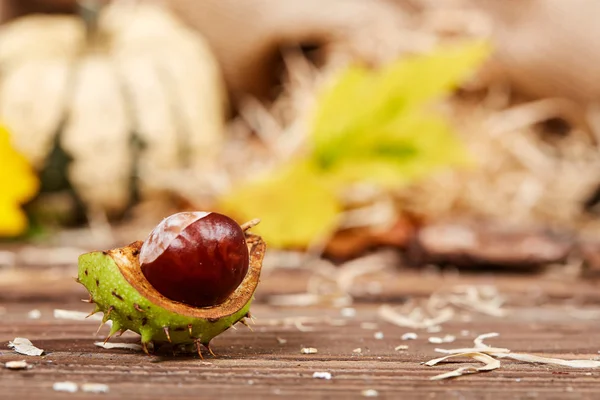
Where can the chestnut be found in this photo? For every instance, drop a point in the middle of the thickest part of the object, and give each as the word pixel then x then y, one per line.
pixel 196 258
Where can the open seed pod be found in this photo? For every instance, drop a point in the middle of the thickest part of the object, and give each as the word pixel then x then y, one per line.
pixel 119 288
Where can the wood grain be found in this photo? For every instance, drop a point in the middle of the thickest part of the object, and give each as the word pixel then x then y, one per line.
pixel 259 364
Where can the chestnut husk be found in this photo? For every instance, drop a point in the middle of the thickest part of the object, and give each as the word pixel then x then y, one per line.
pixel 118 288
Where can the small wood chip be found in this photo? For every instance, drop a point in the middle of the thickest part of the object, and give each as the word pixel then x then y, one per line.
pixel 445 339
pixel 70 387
pixel 358 350
pixel 322 375
pixel 308 350
pixel 370 393
pixel 113 345
pixel 24 346
pixel 34 314
pixel 77 315
pixel 94 388
pixel 409 336
pixel 17 365
pixel 378 335
pixel 401 347
pixel 348 312
pixel 281 340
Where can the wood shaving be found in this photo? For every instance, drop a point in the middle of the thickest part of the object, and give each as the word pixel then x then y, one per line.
pixel 409 336
pixel 17 365
pixel 482 299
pixel 484 353
pixel 531 358
pixel 95 388
pixel 322 375
pixel 414 321
pixel 370 393
pixel 490 364
pixel 113 345
pixel 485 350
pixel 308 350
pixel 70 387
pixel 24 346
pixel 401 347
pixel 442 307
pixel 348 312
pixel 358 350
pixel 298 324
pixel 479 347
pixel 445 339
pixel 281 340
pixel 479 339
pixel 331 284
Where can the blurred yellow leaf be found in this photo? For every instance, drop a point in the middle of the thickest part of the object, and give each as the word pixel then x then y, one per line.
pixel 373 125
pixel 408 149
pixel 294 205
pixel 18 184
pixel 369 126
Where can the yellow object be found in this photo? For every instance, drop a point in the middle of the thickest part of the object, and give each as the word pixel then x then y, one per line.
pixel 375 125
pixel 368 126
pixel 296 208
pixel 18 184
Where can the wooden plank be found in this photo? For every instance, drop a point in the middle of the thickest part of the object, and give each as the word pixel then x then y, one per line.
pixel 256 365
pixel 25 284
pixel 550 315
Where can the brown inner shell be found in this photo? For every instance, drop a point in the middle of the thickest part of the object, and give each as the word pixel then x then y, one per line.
pixel 127 259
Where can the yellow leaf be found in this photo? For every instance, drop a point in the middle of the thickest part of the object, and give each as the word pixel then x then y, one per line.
pixel 296 208
pixel 368 126
pixel 410 148
pixel 18 184
pixel 373 125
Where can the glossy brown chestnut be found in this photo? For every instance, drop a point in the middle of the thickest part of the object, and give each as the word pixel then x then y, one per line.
pixel 196 258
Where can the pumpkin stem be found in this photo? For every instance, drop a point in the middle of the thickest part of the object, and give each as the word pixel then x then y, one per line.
pixel 89 11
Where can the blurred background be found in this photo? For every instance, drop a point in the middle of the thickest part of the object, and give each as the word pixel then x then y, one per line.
pixel 454 135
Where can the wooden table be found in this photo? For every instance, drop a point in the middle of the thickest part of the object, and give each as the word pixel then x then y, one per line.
pixel 558 317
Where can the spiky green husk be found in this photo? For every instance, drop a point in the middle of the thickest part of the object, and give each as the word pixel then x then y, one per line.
pixel 118 289
pixel 128 309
